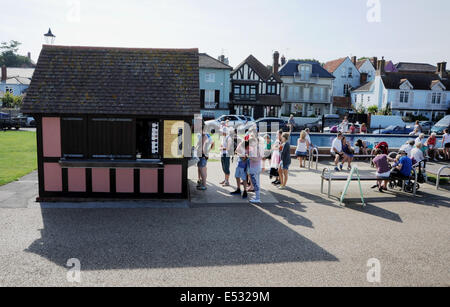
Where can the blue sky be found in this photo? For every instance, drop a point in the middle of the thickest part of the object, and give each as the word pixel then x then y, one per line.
pixel 409 30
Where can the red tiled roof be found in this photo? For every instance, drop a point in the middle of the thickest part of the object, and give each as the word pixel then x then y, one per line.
pixel 331 66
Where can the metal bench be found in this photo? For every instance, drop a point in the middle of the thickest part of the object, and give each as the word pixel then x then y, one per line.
pixel 328 175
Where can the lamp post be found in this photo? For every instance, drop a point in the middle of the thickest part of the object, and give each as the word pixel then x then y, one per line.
pixel 49 37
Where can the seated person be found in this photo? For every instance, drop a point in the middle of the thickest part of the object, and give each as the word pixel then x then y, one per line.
pixel 348 154
pixel 408 147
pixel 417 153
pixel 363 147
pixel 402 168
pixel 383 171
pixel 432 151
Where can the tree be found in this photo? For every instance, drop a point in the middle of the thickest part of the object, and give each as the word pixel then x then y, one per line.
pixel 361 109
pixel 372 110
pixel 11 101
pixel 9 56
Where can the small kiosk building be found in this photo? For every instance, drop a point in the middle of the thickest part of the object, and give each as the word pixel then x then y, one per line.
pixel 112 123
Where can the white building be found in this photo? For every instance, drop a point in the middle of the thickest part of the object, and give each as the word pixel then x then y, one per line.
pixel 307 88
pixel 366 67
pixel 346 76
pixel 411 93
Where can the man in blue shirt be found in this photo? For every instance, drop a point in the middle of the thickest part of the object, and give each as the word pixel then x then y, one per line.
pixel 403 167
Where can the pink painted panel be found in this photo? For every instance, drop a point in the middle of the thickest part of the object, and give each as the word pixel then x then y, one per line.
pixel 52 177
pixel 173 179
pixel 100 180
pixel 149 181
pixel 124 180
pixel 51 136
pixel 77 179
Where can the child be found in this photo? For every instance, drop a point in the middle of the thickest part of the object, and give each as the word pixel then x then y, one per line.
pixel 302 148
pixel 285 160
pixel 241 169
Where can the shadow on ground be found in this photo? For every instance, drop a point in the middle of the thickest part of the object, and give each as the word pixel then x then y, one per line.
pixel 167 238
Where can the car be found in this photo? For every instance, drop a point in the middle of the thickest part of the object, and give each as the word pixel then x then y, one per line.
pixel 394 130
pixel 441 125
pixel 267 124
pixel 426 126
pixel 315 126
pixel 7 122
pixel 233 121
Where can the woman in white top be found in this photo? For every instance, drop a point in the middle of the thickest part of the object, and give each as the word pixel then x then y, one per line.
pixel 302 149
pixel 446 144
pixel 417 153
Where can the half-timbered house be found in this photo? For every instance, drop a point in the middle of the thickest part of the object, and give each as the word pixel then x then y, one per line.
pixel 255 89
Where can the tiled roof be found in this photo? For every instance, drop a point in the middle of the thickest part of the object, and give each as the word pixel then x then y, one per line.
pixel 419 81
pixel 415 67
pixel 331 66
pixel 291 67
pixel 100 80
pixel 259 68
pixel 206 61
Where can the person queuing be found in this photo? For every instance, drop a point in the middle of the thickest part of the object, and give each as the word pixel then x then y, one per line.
pixel 267 151
pixel 276 159
pixel 241 168
pixel 204 145
pixel 285 156
pixel 383 173
pixel 446 144
pixel 302 149
pixel 256 152
pixel 226 144
pixel 336 151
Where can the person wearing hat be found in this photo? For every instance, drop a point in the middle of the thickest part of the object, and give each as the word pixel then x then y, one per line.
pixel 402 168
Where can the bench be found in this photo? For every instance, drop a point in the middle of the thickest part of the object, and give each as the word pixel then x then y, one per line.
pixel 328 175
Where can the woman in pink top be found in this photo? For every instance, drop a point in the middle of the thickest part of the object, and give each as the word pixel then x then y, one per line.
pixel 383 170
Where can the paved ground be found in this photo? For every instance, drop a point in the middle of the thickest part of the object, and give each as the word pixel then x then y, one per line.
pixel 298 237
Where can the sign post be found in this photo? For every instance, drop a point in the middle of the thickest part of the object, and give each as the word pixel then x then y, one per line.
pixel 354 171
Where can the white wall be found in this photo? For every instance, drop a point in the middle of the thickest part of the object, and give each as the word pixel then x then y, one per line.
pixel 342 78
pixel 368 68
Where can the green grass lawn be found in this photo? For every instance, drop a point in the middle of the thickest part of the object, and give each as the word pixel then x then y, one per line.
pixel 17 155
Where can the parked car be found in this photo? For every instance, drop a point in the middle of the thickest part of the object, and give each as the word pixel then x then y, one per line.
pixel 234 121
pixel 266 124
pixel 394 130
pixel 7 122
pixel 441 125
pixel 426 126
pixel 315 126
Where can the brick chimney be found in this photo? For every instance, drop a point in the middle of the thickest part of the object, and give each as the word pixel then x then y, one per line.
pixel 283 60
pixel 363 78
pixel 29 55
pixel 381 67
pixel 222 58
pixel 4 73
pixel 276 62
pixel 442 69
pixel 354 60
pixel 375 62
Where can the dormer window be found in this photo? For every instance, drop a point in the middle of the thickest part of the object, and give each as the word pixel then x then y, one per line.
pixel 305 72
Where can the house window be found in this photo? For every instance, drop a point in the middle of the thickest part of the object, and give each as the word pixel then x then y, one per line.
pixel 404 97
pixel 245 92
pixel 436 98
pixel 210 77
pixel 305 72
pixel 346 89
pixel 271 111
pixel 271 89
pixel 362 97
pixel 9 90
pixel 350 72
pixel 73 137
pixel 368 98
